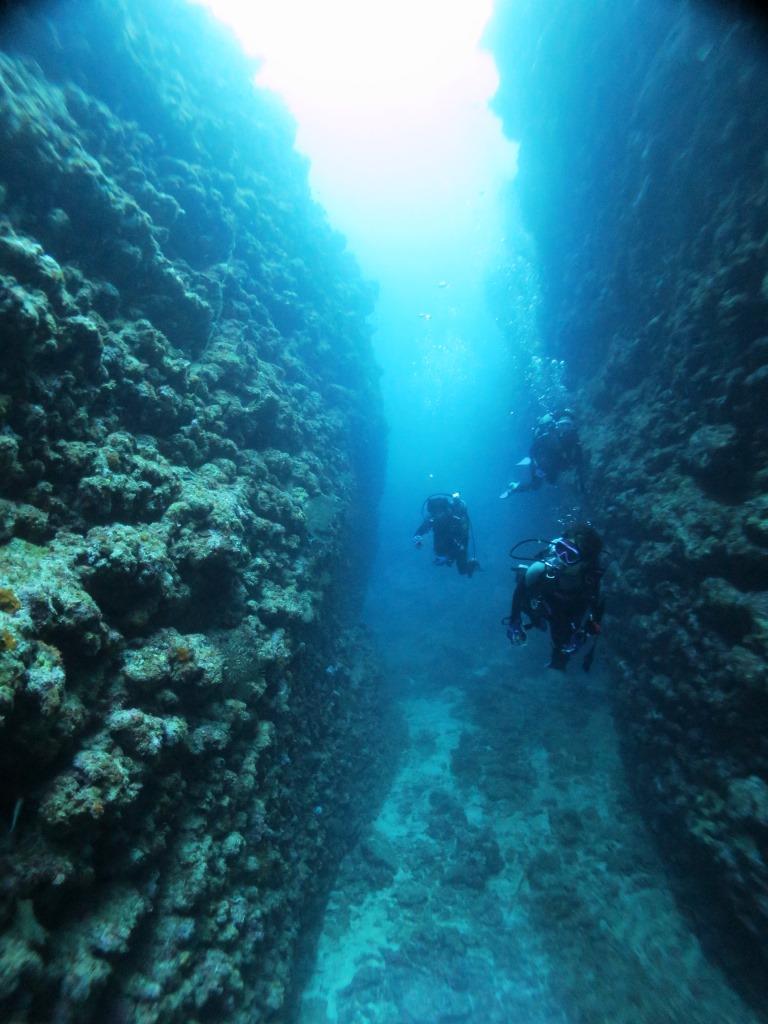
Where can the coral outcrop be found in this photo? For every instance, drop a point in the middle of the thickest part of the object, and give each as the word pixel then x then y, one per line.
pixel 642 182
pixel 190 446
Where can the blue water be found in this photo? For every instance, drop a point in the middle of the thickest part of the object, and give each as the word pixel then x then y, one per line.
pixel 508 876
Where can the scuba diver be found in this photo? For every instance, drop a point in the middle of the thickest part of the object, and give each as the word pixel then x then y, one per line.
pixel 561 588
pixel 555 448
pixel 447 517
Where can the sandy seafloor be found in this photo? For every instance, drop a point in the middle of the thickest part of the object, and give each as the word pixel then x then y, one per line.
pixel 508 876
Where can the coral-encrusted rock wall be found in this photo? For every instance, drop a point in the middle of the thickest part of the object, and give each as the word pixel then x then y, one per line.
pixel 190 453
pixel 643 181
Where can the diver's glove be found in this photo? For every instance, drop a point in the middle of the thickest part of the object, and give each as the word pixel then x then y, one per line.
pixel 418 540
pixel 516 634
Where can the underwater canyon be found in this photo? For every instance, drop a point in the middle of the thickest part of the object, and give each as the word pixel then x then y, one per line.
pixel 254 766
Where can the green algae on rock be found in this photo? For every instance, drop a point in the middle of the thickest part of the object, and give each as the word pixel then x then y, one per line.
pixel 191 448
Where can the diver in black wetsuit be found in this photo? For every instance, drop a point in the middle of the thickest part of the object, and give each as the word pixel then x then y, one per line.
pixel 555 447
pixel 562 591
pixel 447 517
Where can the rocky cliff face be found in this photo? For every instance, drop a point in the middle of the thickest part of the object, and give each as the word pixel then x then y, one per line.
pixel 642 180
pixel 190 446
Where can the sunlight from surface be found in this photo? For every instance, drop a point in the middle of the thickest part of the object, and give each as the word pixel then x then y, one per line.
pixel 359 53
pixel 390 100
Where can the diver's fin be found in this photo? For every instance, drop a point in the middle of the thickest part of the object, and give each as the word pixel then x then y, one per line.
pixel 524 462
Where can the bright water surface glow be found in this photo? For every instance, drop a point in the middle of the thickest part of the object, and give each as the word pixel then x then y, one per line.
pixel 390 100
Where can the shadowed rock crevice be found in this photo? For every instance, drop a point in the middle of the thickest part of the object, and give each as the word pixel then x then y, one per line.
pixel 642 182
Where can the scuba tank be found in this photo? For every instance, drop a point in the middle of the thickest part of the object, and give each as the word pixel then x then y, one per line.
pixel 563 564
pixel 453 502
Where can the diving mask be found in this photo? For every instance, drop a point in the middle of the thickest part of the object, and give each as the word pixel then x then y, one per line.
pixel 566 551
